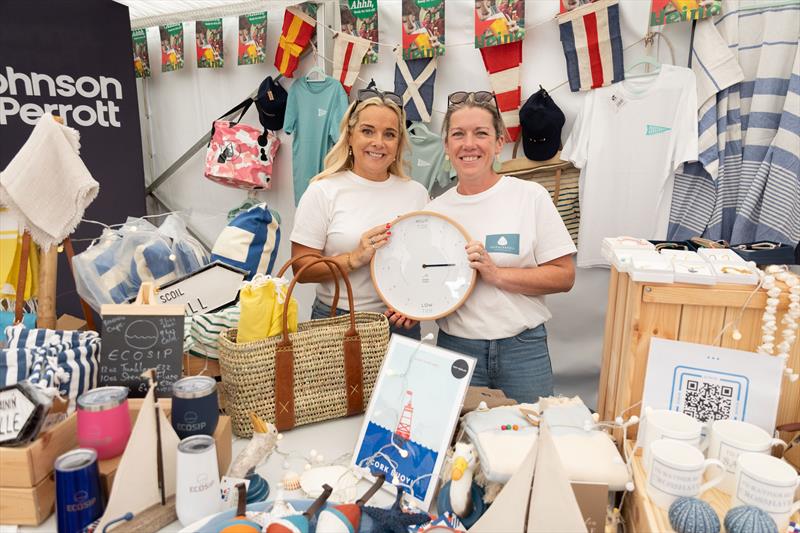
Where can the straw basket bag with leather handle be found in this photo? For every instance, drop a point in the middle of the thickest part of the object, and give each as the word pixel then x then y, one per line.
pixel 560 179
pixel 325 370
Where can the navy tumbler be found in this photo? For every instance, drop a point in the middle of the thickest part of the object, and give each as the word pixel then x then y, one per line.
pixel 79 497
pixel 195 408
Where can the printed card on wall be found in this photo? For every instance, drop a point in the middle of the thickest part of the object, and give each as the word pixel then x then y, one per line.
pixel 712 383
pixel 141 59
pixel 360 18
pixel 499 22
pixel 569 5
pixel 671 11
pixel 208 41
pixel 252 38
pixel 171 47
pixel 412 415
pixel 423 28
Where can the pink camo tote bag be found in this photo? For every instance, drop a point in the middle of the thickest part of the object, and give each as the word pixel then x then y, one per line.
pixel 241 155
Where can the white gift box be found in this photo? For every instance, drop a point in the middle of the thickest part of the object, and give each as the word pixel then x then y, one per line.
pixel 695 272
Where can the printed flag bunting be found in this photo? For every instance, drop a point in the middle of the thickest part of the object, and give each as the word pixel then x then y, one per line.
pixel 502 63
pixel 208 41
pixel 298 27
pixel 348 52
pixel 590 36
pixel 252 38
pixel 171 47
pixel 141 58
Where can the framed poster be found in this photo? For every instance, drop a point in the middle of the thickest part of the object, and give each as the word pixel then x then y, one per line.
pixel 499 22
pixel 711 383
pixel 423 29
pixel 412 414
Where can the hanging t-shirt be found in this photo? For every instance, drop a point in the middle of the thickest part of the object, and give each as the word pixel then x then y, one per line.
pixel 520 227
pixel 426 157
pixel 313 112
pixel 337 210
pixel 628 140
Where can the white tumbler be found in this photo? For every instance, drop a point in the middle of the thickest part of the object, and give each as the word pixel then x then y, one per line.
pixel 197 492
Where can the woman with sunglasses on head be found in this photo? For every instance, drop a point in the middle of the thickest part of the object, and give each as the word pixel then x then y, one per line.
pixel 347 210
pixel 520 248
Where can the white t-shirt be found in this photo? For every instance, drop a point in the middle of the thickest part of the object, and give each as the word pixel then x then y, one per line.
pixel 628 140
pixel 520 227
pixel 333 214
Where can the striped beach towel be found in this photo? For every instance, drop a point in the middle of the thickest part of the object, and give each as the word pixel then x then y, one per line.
pixel 201 331
pixel 592 45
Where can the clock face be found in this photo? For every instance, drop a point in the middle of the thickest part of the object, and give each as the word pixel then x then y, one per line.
pixel 423 272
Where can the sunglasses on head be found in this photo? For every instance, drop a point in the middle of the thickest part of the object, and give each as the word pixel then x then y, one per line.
pixel 479 97
pixel 366 94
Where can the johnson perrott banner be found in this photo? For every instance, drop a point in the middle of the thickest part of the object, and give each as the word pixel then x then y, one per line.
pixel 91 85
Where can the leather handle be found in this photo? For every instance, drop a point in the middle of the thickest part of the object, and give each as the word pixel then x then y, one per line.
pixel 22 277
pixel 284 358
pixel 293 260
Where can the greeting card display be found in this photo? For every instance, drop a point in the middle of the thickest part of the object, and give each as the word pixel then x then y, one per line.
pixel 412 414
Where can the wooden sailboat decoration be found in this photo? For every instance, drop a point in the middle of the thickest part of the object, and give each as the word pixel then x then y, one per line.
pixel 538 498
pixel 139 481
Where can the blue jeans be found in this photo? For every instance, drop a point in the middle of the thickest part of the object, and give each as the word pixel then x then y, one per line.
pixel 519 365
pixel 323 310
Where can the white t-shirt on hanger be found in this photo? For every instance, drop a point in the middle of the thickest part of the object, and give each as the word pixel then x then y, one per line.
pixel 628 140
pixel 520 227
pixel 334 212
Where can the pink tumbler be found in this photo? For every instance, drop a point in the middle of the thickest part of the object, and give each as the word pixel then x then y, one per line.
pixel 104 422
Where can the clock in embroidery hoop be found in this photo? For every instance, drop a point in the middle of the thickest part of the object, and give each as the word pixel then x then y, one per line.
pixel 423 273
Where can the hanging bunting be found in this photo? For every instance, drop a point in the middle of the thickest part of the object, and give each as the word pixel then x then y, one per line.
pixel 502 63
pixel 208 37
pixel 360 19
pixel 592 42
pixel 423 29
pixel 298 27
pixel 499 22
pixel 348 51
pixel 252 38
pixel 171 47
pixel 670 11
pixel 141 59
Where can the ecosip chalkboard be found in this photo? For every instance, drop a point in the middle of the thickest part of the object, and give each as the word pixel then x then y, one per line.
pixel 140 336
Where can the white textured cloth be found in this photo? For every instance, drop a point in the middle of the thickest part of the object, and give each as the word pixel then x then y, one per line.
pixel 46 185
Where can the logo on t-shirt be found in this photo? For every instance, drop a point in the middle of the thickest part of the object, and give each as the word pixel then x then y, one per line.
pixel 503 243
pixel 652 129
pixel 422 163
pixel 321 112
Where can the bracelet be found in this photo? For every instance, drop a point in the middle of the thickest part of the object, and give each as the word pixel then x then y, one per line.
pixel 349 263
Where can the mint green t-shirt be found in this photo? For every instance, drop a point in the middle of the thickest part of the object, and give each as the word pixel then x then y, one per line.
pixel 426 157
pixel 313 112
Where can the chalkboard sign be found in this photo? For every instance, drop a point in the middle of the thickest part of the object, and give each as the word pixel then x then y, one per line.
pixel 140 336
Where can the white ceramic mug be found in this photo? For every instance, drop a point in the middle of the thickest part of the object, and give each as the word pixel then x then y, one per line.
pixel 672 425
pixel 769 484
pixel 729 438
pixel 676 469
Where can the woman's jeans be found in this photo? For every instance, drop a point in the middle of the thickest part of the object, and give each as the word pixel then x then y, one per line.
pixel 323 310
pixel 519 365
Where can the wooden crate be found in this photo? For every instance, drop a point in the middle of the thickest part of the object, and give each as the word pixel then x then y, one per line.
pixel 28 506
pixel 26 466
pixel 639 311
pixel 643 516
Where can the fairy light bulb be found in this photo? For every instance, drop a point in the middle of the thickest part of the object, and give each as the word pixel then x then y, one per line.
pixel 736 335
pixel 60 248
pixel 172 257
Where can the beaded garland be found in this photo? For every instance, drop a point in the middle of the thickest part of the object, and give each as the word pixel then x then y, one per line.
pixel 769 325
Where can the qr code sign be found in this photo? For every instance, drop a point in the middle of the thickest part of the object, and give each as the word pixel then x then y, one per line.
pixel 706 400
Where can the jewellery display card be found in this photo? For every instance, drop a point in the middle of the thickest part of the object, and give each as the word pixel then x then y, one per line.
pixel 423 29
pixel 171 47
pixel 360 18
pixel 208 41
pixel 499 22
pixel 412 414
pixel 712 383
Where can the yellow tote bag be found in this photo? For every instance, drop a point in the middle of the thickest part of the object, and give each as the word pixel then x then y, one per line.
pixel 262 309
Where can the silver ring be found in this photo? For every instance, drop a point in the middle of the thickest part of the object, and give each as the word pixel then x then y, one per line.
pixel 372 242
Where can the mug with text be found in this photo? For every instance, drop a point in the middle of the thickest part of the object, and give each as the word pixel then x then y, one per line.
pixel 676 469
pixel 729 438
pixel 665 424
pixel 767 483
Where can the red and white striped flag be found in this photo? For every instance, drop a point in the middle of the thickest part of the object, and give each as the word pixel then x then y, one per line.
pixel 502 63
pixel 348 52
pixel 592 44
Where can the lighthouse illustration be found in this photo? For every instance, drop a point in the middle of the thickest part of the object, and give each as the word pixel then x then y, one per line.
pixel 402 433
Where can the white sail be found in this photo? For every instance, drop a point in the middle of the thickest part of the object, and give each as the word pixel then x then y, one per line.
pixel 509 509
pixel 135 485
pixel 553 505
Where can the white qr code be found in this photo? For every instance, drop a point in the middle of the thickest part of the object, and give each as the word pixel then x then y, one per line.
pixel 705 399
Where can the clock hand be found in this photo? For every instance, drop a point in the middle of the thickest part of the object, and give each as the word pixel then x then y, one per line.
pixel 438 265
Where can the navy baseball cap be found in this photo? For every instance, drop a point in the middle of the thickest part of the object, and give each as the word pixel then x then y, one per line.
pixel 541 121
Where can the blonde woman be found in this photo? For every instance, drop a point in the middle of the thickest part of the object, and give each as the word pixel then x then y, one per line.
pixel 347 210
